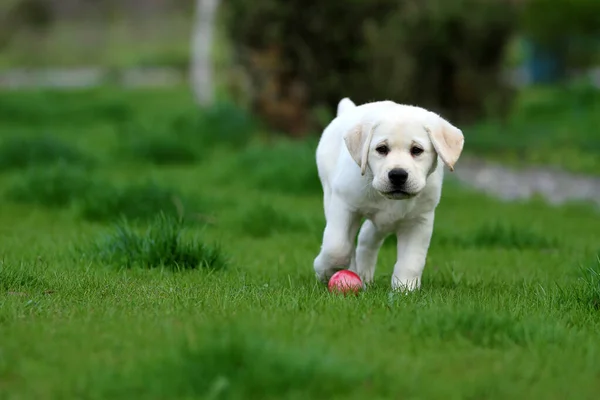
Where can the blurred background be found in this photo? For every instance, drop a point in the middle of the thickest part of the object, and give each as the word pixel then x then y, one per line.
pixel 521 77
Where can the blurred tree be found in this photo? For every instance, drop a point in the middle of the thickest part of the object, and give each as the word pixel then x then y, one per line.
pixel 560 33
pixel 201 60
pixel 440 54
pixel 34 15
pixel 550 21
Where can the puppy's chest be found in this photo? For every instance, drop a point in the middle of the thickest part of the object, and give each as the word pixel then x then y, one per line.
pixel 388 219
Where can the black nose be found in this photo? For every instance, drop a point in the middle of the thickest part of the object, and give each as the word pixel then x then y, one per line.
pixel 398 176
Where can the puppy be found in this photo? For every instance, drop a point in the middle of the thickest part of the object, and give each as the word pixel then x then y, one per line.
pixel 383 163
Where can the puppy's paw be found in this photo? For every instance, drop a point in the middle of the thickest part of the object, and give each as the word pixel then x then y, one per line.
pixel 324 275
pixel 405 284
pixel 366 276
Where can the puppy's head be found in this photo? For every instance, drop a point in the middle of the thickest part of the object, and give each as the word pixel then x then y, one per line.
pixel 399 146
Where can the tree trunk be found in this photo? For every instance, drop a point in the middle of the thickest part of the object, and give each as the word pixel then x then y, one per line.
pixel 201 57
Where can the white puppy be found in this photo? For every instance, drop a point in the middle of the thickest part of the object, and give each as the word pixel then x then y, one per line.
pixel 381 162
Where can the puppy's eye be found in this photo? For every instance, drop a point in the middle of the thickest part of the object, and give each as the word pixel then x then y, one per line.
pixel 383 150
pixel 416 151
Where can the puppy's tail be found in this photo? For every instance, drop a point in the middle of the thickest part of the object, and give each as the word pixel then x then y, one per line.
pixel 344 105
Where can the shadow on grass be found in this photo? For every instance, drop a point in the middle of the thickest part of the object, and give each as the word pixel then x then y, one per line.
pixel 163 244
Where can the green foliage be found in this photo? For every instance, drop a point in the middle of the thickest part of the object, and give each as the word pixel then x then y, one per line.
pixel 541 121
pixel 443 55
pixel 136 202
pixel 52 186
pixel 221 124
pixel 186 137
pixel 162 244
pixel 264 220
pixel 162 150
pixel 570 29
pixel 22 152
pixel 285 167
pixel 500 235
pixel 63 186
pixel 41 108
pixel 551 22
pixel 156 144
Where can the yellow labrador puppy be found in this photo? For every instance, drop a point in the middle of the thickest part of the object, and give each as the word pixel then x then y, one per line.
pixel 382 162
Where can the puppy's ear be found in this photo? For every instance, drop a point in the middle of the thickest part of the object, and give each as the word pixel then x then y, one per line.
pixel 447 140
pixel 345 105
pixel 358 141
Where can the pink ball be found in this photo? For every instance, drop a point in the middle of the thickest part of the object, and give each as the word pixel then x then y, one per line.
pixel 344 282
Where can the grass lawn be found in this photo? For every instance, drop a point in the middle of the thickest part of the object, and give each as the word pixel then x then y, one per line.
pixel 143 258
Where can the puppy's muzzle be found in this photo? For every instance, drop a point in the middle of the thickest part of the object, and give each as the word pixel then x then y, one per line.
pixel 398 177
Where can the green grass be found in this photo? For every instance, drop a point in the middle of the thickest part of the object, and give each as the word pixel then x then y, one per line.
pixel 228 306
pixel 18 152
pixel 64 186
pixel 160 150
pixel 263 220
pixel 282 167
pixel 57 185
pixel 138 201
pixel 162 245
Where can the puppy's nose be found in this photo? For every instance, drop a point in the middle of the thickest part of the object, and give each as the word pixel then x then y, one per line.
pixel 398 176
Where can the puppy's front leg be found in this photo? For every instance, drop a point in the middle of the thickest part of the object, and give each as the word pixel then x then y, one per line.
pixel 414 237
pixel 370 240
pixel 338 239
